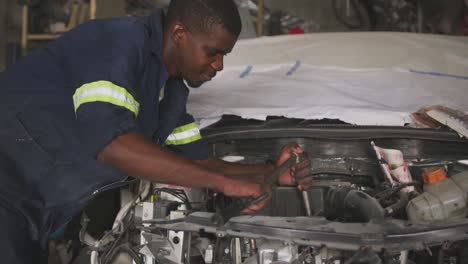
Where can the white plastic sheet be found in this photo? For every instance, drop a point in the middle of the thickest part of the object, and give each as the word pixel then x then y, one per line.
pixel 304 77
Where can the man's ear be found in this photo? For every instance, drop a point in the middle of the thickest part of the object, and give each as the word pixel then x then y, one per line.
pixel 178 33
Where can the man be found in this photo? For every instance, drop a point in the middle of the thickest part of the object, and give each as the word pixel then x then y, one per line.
pixel 82 113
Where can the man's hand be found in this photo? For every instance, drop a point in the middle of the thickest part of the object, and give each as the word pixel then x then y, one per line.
pixel 299 173
pixel 286 178
pixel 136 155
pixel 248 190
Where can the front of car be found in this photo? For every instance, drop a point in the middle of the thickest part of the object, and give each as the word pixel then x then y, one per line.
pixel 351 109
pixel 384 189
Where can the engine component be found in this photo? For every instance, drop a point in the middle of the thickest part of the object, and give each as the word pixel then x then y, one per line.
pixel 268 252
pixel 344 203
pixel 394 166
pixel 351 205
pixel 433 175
pixel 237 206
pixel 441 200
pixel 287 201
pixel 167 224
pixel 276 252
pixel 155 210
pixel 165 249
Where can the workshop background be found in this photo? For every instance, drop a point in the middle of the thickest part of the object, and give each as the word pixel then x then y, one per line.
pixel 25 24
pixel 28 24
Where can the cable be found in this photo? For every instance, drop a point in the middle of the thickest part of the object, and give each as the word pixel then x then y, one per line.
pixel 124 212
pixel 97 245
pixel 114 244
pixel 178 193
pixel 125 209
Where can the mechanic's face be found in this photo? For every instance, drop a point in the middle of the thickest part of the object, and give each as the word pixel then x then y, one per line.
pixel 200 54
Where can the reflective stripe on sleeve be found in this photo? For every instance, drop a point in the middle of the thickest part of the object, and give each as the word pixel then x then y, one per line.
pixel 106 92
pixel 184 134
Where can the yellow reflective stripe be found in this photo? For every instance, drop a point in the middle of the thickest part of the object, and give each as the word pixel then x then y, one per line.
pixel 185 128
pixel 184 134
pixel 183 141
pixel 107 92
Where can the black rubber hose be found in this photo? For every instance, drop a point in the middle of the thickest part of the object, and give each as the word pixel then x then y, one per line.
pixel 401 203
pixel 391 191
pixel 351 205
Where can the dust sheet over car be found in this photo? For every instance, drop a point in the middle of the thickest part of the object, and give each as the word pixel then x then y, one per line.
pixel 359 78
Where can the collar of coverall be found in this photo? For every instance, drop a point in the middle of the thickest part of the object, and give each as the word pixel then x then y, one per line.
pixel 155 24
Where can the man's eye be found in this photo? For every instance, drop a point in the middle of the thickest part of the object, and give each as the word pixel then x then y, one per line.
pixel 212 53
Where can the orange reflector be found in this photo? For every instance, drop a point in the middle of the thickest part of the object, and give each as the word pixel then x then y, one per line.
pixel 433 175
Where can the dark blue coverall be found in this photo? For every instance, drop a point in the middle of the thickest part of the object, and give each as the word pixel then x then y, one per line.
pixel 61 105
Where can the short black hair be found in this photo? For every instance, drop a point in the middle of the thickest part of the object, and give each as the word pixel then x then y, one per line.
pixel 201 15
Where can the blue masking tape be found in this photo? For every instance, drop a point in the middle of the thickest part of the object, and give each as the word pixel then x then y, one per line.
pixel 294 68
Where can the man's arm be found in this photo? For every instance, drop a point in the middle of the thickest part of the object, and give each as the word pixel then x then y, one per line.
pixel 254 172
pixel 295 175
pixel 139 157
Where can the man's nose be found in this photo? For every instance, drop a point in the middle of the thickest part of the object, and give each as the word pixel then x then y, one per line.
pixel 218 63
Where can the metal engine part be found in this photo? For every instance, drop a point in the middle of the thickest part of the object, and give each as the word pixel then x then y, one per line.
pixel 273 251
pixel 165 249
pixel 441 200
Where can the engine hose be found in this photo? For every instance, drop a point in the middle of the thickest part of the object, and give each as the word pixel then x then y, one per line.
pixel 84 237
pixel 392 209
pixel 389 192
pixel 351 205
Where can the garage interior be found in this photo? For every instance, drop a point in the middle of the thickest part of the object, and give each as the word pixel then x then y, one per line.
pixel 447 17
pixel 378 68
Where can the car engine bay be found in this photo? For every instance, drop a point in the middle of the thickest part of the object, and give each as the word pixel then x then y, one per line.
pixel 353 213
